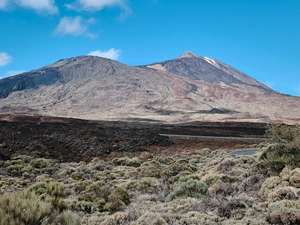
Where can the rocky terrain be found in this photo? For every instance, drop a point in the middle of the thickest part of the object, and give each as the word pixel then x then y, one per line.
pixel 69 140
pixel 192 185
pixel 188 88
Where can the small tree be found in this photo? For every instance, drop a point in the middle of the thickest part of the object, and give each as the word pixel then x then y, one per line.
pixel 284 148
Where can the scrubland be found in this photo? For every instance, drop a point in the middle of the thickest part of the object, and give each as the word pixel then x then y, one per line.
pixel 210 187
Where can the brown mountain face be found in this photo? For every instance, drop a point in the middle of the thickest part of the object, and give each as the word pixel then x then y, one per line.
pixel 188 88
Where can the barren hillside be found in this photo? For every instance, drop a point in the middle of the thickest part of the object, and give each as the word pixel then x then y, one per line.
pixel 188 88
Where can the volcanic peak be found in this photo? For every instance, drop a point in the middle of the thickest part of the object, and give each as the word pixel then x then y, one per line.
pixel 188 55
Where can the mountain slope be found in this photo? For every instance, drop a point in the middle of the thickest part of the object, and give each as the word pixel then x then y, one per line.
pixel 187 88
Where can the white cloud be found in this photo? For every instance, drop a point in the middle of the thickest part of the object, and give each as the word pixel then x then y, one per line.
pixel 3 4
pixel 4 58
pixel 75 26
pixel 14 72
pixel 94 5
pixel 110 54
pixel 39 5
pixel 47 6
pixel 97 5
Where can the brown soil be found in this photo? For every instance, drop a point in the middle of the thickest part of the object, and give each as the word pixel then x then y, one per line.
pixel 77 140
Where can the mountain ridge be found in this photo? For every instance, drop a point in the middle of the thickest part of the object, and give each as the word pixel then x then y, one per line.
pixel 187 88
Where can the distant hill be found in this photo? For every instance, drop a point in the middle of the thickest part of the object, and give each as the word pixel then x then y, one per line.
pixel 188 88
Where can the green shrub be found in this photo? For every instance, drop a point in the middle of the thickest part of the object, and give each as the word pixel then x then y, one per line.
pixel 87 207
pixel 77 175
pixel 97 193
pixel 177 167
pixel 100 165
pixel 81 185
pixel 205 151
pixel 284 149
pixel 40 163
pixel 38 188
pixel 65 218
pixel 223 177
pixel 148 184
pixel 295 178
pixel 272 183
pixel 126 161
pixel 24 158
pixel 284 212
pixel 22 208
pixel 150 169
pixel 14 169
pixel 56 192
pixel 190 188
pixel 151 218
pixel 165 160
pixel 117 199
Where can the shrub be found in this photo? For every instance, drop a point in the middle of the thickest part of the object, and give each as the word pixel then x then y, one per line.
pixel 56 192
pixel 14 169
pixel 287 193
pixel 97 193
pixel 165 160
pixel 151 218
pixel 126 161
pixel 295 178
pixel 24 158
pixel 190 188
pixel 77 175
pixel 274 158
pixel 271 184
pixel 177 167
pixel 148 184
pixel 22 208
pixel 223 177
pixel 87 207
pixel 65 218
pixel 38 188
pixel 150 169
pixel 117 199
pixel 284 212
pixel 284 149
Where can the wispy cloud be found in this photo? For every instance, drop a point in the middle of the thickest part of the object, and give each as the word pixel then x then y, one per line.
pixel 5 58
pixel 3 4
pixel 110 54
pixel 14 72
pixel 97 5
pixel 94 5
pixel 75 26
pixel 47 6
pixel 39 5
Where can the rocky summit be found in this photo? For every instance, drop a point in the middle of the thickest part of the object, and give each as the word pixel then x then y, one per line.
pixel 188 88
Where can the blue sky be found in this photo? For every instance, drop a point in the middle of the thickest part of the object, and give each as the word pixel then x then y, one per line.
pixel 258 37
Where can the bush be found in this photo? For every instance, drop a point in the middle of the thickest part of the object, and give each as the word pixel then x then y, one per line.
pixel 65 218
pixel 271 184
pixel 284 149
pixel 191 188
pixel 295 178
pixel 117 199
pixel 22 208
pixel 126 161
pixel 151 218
pixel 284 212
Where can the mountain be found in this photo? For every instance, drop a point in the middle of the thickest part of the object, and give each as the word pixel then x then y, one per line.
pixel 188 88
